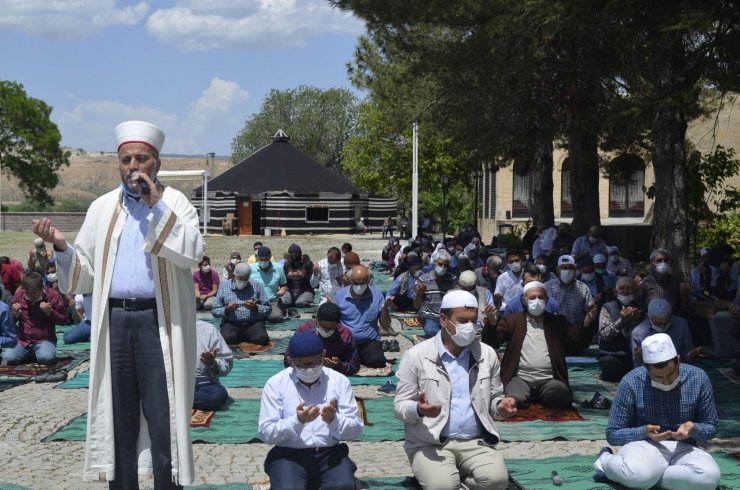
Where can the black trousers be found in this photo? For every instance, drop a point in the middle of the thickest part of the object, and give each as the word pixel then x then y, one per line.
pixel 256 333
pixel 138 380
pixel 371 354
pixel 613 368
pixel 327 468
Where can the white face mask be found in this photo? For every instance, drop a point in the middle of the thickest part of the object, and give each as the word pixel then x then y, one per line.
pixel 465 334
pixel 659 328
pixel 51 277
pixel 264 264
pixel 536 307
pixel 515 266
pixel 614 259
pixel 325 332
pixel 662 268
pixel 206 269
pixel 663 387
pixel 239 284
pixel 235 261
pixel 625 299
pixel 359 288
pixel 542 268
pixel 566 275
pixel 588 277
pixel 308 375
pixel 440 271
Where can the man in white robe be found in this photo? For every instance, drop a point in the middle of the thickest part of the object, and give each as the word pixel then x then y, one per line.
pixel 135 252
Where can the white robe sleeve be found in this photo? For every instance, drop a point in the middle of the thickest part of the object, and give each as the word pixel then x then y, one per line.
pixel 173 231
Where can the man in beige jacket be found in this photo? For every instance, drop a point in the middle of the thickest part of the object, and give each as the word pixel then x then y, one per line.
pixel 449 392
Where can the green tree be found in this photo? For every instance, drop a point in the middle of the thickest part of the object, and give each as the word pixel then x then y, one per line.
pixel 30 144
pixel 319 122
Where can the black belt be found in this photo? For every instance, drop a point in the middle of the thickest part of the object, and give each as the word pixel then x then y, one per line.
pixel 133 303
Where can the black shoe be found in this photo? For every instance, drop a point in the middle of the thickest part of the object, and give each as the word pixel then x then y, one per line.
pixel 293 313
pixel 388 387
pixel 598 401
pixel 385 345
pixel 393 346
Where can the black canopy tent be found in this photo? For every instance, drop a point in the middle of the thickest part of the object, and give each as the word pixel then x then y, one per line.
pixel 279 188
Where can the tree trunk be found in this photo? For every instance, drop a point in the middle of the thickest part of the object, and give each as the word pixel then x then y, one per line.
pixel 584 179
pixel 670 218
pixel 542 210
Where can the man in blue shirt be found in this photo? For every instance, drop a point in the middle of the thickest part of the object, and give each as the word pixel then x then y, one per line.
pixel 271 276
pixel 661 410
pixel 242 305
pixel 362 308
pixel 403 289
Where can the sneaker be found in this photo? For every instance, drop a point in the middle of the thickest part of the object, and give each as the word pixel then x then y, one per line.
pixel 393 346
pixel 293 313
pixel 385 345
pixel 388 387
pixel 56 377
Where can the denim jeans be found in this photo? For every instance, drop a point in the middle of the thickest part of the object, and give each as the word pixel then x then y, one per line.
pixel 43 352
pixel 78 333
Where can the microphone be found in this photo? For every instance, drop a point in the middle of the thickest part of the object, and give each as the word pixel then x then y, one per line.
pixel 556 480
pixel 143 186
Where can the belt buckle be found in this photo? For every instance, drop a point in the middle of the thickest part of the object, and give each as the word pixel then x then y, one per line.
pixel 128 304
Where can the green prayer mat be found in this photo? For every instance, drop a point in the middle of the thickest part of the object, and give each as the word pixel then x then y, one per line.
pixel 237 424
pixel 69 347
pixel 246 373
pixel 289 324
pixel 7 383
pixel 11 486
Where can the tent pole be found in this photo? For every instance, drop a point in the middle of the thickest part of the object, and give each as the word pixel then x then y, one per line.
pixel 415 182
pixel 205 203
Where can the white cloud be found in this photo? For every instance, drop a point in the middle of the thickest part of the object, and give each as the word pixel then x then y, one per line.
pixel 194 25
pixel 209 124
pixel 67 18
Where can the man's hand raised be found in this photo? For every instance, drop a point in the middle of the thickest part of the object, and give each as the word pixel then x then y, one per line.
pixel 425 409
pixel 44 229
pixel 307 414
pixel 329 412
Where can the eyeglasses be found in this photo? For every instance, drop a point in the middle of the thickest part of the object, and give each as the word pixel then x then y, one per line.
pixel 308 365
pixel 662 261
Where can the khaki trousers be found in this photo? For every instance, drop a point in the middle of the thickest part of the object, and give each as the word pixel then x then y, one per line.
pixel 459 465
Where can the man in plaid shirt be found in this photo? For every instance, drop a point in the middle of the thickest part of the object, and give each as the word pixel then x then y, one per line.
pixel 661 410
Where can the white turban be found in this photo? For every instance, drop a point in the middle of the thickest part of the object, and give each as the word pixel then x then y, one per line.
pixel 457 298
pixel 139 132
pixel 659 308
pixel 658 348
pixel 532 285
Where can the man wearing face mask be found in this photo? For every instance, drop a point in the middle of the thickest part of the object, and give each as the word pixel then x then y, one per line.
pixel 430 289
pixel 531 273
pixel 488 274
pixel 205 281
pixel 307 411
pixel 243 306
pixel 271 276
pixel 660 320
pixel 509 284
pixel 589 244
pixel 533 369
pixel 616 264
pixel 574 298
pixel 616 321
pixel 659 414
pixel 298 272
pixel 340 351
pixel 588 276
pixel 449 393
pixel 661 283
pixel 236 257
pixel 37 310
pixel 403 289
pixel 364 311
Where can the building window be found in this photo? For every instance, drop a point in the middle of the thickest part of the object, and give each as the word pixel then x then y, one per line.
pixel 317 214
pixel 626 184
pixel 566 202
pixel 522 201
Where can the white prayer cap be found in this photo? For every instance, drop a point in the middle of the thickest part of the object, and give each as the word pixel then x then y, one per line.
pixel 38 242
pixel 457 298
pixel 599 259
pixel 612 249
pixel 468 279
pixel 704 251
pixel 139 132
pixel 657 348
pixel 532 285
pixel 659 308
pixel 566 259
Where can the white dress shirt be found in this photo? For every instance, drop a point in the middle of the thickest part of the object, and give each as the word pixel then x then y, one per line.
pixel 328 277
pixel 279 424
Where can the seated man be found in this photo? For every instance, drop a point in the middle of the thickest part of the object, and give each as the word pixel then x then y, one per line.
pixel 430 289
pixel 205 281
pixel 236 257
pixel 362 307
pixel 533 369
pixel 38 310
pixel 659 413
pixel 340 351
pixel 487 312
pixel 327 273
pixel 214 359
pixel 255 247
pixel 616 321
pixel 531 273
pixel 403 289
pixel 618 265
pixel 509 284
pixel 306 412
pixel 8 337
pixel 81 331
pixel 660 320
pixel 488 274
pixel 271 276
pixel 242 305
pixel 448 407
pixel 349 260
pixel 298 272
pixel 573 297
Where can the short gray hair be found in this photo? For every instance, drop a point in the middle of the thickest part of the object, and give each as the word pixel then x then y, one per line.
pixel 443 256
pixel 494 262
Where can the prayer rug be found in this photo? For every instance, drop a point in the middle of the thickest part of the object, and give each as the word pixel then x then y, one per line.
pixel 368 372
pixel 7 383
pixel 414 322
pixel 540 412
pixel 276 346
pixel 34 368
pixel 404 314
pixel 201 418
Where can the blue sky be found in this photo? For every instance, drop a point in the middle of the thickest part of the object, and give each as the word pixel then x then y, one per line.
pixel 197 68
